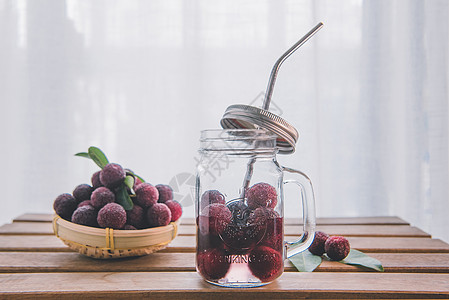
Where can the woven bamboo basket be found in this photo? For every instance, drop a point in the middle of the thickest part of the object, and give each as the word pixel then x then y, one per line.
pixel 109 243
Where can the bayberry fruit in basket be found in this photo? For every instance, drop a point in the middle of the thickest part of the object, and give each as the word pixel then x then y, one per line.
pixel 262 195
pixel 210 197
pixel 85 202
pixel 112 175
pixel 137 181
pixel 96 183
pixel 85 215
pixel 82 192
pixel 136 216
pixel 112 215
pixel 158 215
pixel 317 247
pixel 146 194
pixel 337 247
pixel 165 192
pixel 214 219
pixel 129 227
pixel 102 196
pixel 265 263
pixel 175 209
pixel 212 263
pixel 64 205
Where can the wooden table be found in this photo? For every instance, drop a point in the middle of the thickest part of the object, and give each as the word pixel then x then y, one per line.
pixel 36 264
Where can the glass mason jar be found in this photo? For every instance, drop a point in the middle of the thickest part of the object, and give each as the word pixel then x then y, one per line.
pixel 240 208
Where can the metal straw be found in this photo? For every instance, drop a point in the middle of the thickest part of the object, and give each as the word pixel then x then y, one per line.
pixel 277 65
pixel 269 92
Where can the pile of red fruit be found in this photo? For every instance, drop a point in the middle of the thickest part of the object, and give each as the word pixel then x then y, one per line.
pixel 118 199
pixel 335 247
pixel 244 230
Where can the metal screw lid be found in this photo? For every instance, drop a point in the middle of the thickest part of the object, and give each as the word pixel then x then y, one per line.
pixel 249 117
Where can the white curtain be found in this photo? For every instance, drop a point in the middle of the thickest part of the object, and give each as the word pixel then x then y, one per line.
pixel 140 79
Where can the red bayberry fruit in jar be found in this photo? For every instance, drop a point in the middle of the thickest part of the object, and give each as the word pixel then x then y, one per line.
pixel 265 263
pixel 64 205
pixel 337 247
pixel 146 194
pixel 317 247
pixel 270 224
pixel 112 175
pixel 112 215
pixel 262 195
pixel 82 192
pixel 214 218
pixel 212 263
pixel 210 197
pixel 165 192
pixel 102 196
pixel 175 208
pixel 158 215
pixel 85 215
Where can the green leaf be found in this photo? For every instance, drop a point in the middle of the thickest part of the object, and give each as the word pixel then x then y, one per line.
pixel 141 179
pixel 123 198
pixel 83 154
pixel 98 156
pixel 358 258
pixel 306 261
pixel 129 182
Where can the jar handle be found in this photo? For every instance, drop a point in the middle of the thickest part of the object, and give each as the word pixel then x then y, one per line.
pixel 308 206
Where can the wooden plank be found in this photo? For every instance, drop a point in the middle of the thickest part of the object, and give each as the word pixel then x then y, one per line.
pixel 290 221
pixel 45 228
pixel 186 243
pixel 189 285
pixel 34 262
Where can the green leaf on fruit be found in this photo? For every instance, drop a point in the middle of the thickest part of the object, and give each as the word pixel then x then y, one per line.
pixel 123 198
pixel 83 154
pixel 98 156
pixel 306 261
pixel 129 182
pixel 358 258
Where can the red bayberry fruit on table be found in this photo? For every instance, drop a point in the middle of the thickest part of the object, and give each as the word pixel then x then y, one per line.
pixel 102 196
pixel 82 192
pixel 165 192
pixel 265 263
pixel 210 197
pixel 175 208
pixel 337 247
pixel 158 215
pixel 64 205
pixel 317 247
pixel 146 194
pixel 112 175
pixel 214 218
pixel 212 263
pixel 136 216
pixel 262 195
pixel 96 183
pixel 85 215
pixel 112 215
